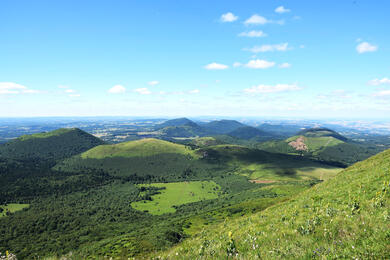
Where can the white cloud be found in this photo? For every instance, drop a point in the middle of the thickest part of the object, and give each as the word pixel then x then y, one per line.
pixel 253 34
pixel 256 20
pixel 366 47
pixel 228 17
pixel 259 64
pixel 194 91
pixel 117 89
pixel 14 88
pixel 382 93
pixel 74 95
pixel 69 91
pixel 143 91
pixel 282 10
pixel 377 82
pixel 265 89
pixel 237 64
pixel 216 66
pixel 260 20
pixel 269 47
pixel 153 83
pixel 285 65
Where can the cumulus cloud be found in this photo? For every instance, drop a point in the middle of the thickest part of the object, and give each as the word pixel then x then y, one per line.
pixel 366 47
pixel 256 20
pixel 117 89
pixel 281 10
pixel 382 93
pixel 153 83
pixel 266 89
pixel 237 64
pixel 259 64
pixel 269 47
pixel 377 82
pixel 216 66
pixel 253 34
pixel 194 91
pixel 260 20
pixel 14 88
pixel 70 92
pixel 285 65
pixel 228 17
pixel 143 91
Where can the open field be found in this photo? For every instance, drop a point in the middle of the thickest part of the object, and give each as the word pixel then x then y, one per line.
pixel 11 208
pixel 176 194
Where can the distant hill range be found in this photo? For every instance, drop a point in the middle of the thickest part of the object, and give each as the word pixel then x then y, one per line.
pixel 176 123
pixel 280 130
pixel 322 144
pixel 183 127
pixel 250 133
pixel 54 145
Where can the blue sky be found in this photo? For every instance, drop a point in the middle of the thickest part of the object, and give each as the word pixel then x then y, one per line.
pixel 179 58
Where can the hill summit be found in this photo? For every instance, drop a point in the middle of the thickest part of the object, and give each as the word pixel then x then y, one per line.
pixel 321 144
pixel 54 145
pixel 322 132
pixel 176 122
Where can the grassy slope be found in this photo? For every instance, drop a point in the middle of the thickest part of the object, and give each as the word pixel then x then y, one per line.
pixel 12 208
pixel 175 194
pixel 139 148
pixel 206 141
pixel 321 146
pixel 166 159
pixel 256 164
pixel 345 217
pixel 160 159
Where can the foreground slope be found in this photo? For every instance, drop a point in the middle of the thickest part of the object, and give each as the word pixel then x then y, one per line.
pixel 54 145
pixel 345 217
pixel 322 144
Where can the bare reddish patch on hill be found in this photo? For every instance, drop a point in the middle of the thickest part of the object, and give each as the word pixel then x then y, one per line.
pixel 262 181
pixel 299 144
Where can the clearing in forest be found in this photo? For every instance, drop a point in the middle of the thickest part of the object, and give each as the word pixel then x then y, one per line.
pixel 175 194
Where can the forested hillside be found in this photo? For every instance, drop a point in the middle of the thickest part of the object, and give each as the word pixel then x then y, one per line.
pixel 49 146
pixel 122 200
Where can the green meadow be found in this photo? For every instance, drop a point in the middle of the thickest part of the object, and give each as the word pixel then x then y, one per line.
pixel 11 208
pixel 175 194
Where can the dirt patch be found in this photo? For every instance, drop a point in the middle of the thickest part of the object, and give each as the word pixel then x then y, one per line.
pixel 299 144
pixel 261 181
